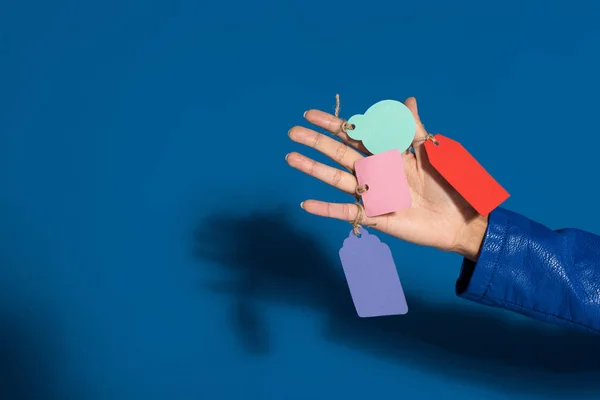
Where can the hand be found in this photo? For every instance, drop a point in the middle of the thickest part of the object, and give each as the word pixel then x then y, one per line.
pixel 439 216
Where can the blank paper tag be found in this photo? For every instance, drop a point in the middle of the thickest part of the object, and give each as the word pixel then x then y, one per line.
pixel 384 176
pixel 386 125
pixel 372 276
pixel 465 174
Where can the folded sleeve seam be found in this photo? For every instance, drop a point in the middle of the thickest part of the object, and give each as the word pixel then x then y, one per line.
pixel 495 262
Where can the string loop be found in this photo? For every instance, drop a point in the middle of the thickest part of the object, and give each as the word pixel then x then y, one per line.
pixel 432 138
pixel 360 189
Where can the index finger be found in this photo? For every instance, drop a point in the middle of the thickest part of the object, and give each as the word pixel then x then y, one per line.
pixel 333 125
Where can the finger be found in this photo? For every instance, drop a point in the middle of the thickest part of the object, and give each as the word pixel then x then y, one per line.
pixel 344 212
pixel 333 125
pixel 332 176
pixel 337 151
pixel 421 133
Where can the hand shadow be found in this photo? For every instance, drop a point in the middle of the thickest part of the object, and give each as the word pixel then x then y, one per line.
pixel 276 262
pixel 30 360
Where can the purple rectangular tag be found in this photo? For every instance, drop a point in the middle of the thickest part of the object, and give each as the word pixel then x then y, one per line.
pixel 372 276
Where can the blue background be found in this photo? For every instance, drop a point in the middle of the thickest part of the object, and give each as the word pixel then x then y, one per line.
pixel 151 240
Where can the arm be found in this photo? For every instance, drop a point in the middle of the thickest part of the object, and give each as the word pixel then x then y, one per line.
pixel 517 264
pixel 525 267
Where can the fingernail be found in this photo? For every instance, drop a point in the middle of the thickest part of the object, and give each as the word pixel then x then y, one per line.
pixel 289 132
pixel 304 115
pixel 286 156
pixel 302 205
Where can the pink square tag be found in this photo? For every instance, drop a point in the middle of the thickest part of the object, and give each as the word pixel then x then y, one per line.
pixel 383 174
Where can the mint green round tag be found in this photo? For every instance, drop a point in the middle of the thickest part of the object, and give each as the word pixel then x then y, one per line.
pixel 386 125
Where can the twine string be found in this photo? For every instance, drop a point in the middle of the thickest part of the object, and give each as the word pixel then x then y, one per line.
pixel 356 224
pixel 360 189
pixel 345 125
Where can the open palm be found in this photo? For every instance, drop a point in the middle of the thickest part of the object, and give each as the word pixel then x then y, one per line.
pixel 439 216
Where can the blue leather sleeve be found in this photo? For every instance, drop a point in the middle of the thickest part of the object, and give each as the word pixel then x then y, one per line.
pixel 525 267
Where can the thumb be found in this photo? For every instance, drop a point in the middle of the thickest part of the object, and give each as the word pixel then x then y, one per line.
pixel 421 133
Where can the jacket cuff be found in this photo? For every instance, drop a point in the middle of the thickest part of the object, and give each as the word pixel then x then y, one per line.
pixel 476 279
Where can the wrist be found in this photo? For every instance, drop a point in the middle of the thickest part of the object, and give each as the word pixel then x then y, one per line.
pixel 471 238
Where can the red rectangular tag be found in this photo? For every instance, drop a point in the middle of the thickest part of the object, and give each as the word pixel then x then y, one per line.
pixel 461 170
